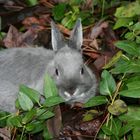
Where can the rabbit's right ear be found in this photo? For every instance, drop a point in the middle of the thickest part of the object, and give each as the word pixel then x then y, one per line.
pixel 56 37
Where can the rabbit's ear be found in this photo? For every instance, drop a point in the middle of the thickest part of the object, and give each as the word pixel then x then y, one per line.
pixel 77 34
pixel 56 37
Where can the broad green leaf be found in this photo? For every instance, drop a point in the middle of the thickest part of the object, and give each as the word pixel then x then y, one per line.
pixel 14 121
pixel 40 111
pixel 46 115
pixel 32 2
pixel 125 129
pixel 30 127
pixel 59 11
pixel 126 67
pixel 86 17
pixel 68 21
pixel 116 125
pixel 130 36
pixel 3 118
pixel 129 136
pixel 95 101
pixel 107 130
pixel 114 59
pixel 107 84
pixel 130 10
pixel 136 26
pixel 90 115
pixel 50 88
pixel 29 116
pixel 25 102
pixel 133 85
pixel 52 101
pixel 17 104
pixel 31 93
pixel 138 39
pixel 132 115
pixel 37 125
pixel 136 133
pixel 118 107
pixel 129 47
pixel 112 128
pixel 133 93
pixel 132 78
pixel 46 134
pixel 122 22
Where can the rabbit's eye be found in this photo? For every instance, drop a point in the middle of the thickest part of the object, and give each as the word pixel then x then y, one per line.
pixel 56 72
pixel 82 71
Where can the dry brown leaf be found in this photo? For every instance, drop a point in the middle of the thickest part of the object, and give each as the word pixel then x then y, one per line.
pixel 14 38
pixel 97 30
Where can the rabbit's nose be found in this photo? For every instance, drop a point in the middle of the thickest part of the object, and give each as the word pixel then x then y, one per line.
pixel 71 90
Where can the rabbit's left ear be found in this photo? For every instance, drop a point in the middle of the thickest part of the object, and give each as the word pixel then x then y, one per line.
pixel 56 37
pixel 77 34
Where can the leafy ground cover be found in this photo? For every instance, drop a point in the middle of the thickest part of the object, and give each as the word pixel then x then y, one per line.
pixel 111 48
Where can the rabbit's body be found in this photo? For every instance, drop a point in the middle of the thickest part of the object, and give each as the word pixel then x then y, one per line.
pixel 75 81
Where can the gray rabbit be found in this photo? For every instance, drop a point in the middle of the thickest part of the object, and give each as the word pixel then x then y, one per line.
pixel 75 81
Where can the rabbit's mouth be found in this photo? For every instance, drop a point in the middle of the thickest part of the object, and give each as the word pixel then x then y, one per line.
pixel 71 97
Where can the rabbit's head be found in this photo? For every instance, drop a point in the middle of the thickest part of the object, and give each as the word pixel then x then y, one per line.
pixel 75 81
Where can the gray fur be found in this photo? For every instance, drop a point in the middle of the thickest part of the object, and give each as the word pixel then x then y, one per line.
pixel 75 81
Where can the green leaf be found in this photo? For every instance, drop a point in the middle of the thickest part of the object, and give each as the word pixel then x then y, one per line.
pixel 107 84
pixel 14 121
pixel 46 134
pixel 95 101
pixel 133 93
pixel 129 47
pixel 114 59
pixel 117 108
pixel 32 2
pixel 130 10
pixel 3 118
pixel 59 11
pixel 112 128
pixel 46 115
pixel 116 125
pixel 90 115
pixel 128 66
pixel 107 130
pixel 50 88
pixel 40 111
pixel 136 26
pixel 133 85
pixel 52 101
pixel 130 36
pixel 138 39
pixel 125 129
pixel 86 17
pixel 29 116
pixel 133 114
pixel 29 127
pixel 25 102
pixel 37 125
pixel 68 21
pixel 136 133
pixel 122 22
pixel 31 93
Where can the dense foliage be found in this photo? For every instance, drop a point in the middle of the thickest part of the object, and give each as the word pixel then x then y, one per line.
pixel 119 86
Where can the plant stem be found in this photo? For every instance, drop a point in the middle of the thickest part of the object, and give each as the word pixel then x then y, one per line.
pixel 22 133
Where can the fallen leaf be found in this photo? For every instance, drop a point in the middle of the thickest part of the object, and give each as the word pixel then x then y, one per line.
pixel 14 38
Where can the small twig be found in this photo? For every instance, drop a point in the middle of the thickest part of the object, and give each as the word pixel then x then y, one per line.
pixel 107 116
